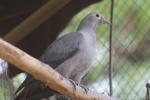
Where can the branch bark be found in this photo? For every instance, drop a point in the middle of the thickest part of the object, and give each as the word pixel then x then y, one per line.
pixel 45 73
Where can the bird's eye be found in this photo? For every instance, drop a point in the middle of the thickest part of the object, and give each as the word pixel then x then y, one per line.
pixel 97 15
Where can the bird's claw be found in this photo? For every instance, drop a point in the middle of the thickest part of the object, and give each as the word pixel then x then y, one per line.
pixel 86 89
pixel 74 83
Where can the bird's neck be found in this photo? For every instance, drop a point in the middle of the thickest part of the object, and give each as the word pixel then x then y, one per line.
pixel 86 27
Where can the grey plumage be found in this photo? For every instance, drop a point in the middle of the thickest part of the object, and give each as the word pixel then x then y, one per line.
pixel 62 49
pixel 71 55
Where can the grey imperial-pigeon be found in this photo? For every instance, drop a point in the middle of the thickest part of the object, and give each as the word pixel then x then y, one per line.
pixel 71 55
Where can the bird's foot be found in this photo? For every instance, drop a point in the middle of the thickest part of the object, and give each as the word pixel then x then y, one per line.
pixel 74 83
pixel 86 89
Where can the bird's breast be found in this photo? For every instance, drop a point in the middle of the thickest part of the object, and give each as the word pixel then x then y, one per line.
pixel 88 48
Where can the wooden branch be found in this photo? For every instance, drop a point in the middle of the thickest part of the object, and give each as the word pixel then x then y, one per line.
pixel 45 73
pixel 28 25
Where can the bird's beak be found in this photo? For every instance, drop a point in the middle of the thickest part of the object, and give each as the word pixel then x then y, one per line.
pixel 105 21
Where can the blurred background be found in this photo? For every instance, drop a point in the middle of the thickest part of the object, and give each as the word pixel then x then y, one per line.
pixel 130 50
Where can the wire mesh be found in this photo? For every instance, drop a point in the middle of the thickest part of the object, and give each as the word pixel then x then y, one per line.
pixel 130 49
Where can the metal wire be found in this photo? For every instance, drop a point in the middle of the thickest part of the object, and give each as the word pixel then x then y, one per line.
pixel 147 91
pixel 110 48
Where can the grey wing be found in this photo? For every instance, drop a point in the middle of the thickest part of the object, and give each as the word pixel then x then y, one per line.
pixel 62 49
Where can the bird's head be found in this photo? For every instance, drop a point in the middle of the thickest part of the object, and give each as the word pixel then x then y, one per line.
pixel 91 20
pixel 96 18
